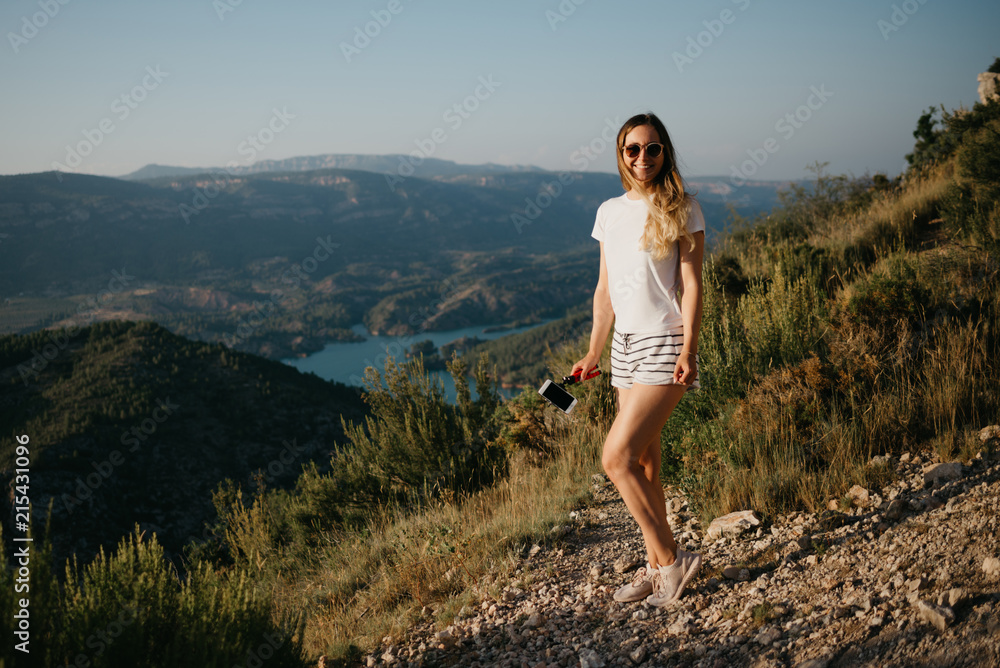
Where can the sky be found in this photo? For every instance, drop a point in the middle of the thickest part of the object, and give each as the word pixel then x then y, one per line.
pixel 746 88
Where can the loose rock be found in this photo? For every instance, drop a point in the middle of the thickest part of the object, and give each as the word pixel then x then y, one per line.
pixel 736 573
pixel 732 524
pixel 590 659
pixel 938 473
pixel 858 495
pixel 626 563
pixel 938 616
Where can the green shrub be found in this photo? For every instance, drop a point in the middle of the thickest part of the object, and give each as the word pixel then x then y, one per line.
pixel 883 301
pixel 974 201
pixel 416 441
pixel 781 320
pixel 131 608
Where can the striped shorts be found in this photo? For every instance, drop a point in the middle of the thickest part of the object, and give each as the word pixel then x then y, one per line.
pixel 647 359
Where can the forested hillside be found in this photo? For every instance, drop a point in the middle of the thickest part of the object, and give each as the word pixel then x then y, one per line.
pixel 132 425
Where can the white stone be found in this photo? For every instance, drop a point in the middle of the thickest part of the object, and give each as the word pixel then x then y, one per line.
pixel 768 636
pixel 989 86
pixel 991 566
pixel 952 597
pixel 736 573
pixel 638 656
pixel 681 627
pixel 590 659
pixel 938 473
pixel 940 617
pixel 732 524
pixel 625 563
pixel 987 433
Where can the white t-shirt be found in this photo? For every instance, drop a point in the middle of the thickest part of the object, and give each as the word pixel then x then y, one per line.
pixel 643 290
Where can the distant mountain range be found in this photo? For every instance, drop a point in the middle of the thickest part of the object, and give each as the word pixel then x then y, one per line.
pixel 427 168
pixel 279 262
pixel 755 194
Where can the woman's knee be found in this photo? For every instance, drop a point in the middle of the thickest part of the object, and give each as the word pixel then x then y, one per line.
pixel 609 464
pixel 615 461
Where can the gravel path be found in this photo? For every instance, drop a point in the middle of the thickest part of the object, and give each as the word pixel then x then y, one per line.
pixel 908 577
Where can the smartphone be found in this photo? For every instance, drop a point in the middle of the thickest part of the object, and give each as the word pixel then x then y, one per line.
pixel 557 396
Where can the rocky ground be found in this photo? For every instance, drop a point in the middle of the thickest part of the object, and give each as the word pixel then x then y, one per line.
pixel 903 576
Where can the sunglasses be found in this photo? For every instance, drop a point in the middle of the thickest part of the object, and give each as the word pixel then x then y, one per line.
pixel 653 149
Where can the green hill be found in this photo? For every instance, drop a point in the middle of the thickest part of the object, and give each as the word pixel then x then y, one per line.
pixel 129 424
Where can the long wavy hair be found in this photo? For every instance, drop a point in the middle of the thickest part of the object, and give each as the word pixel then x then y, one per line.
pixel 665 196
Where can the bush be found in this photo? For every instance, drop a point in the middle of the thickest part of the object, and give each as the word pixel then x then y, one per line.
pixel 416 442
pixel 974 201
pixel 131 608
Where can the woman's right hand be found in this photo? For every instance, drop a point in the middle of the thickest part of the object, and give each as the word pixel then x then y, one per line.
pixel 586 364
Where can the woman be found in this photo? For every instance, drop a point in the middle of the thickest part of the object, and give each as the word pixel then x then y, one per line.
pixel 652 242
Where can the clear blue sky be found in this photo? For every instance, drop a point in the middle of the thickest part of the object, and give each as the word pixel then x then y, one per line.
pixel 558 81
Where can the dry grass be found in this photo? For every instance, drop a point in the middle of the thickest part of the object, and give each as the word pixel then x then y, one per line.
pixel 893 217
pixel 370 584
pixel 902 356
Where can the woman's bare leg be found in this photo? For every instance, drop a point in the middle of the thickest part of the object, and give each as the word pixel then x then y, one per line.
pixel 649 460
pixel 632 461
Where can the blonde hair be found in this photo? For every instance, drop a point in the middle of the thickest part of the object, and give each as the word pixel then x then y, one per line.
pixel 665 196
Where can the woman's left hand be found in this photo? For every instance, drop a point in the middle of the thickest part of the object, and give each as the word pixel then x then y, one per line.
pixel 686 369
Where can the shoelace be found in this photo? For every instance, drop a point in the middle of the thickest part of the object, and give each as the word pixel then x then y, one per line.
pixel 640 575
pixel 659 584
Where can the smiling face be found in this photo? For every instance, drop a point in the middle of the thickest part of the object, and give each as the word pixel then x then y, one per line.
pixel 643 167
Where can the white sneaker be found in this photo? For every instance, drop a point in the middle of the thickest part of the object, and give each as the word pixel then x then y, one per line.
pixel 640 587
pixel 669 581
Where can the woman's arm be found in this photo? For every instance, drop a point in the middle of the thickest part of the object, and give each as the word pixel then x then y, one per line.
pixel 604 317
pixel 691 256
